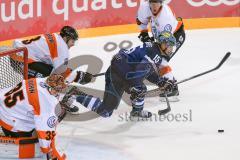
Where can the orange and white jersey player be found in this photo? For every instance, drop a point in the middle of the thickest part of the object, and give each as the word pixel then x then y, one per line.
pixel 48 52
pixel 161 18
pixel 30 108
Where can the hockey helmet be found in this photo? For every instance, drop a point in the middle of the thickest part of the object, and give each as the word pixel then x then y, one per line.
pixel 156 1
pixel 69 32
pixel 170 42
pixel 166 37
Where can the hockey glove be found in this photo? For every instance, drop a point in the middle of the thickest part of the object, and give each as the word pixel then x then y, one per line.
pixel 144 37
pixel 166 85
pixel 83 77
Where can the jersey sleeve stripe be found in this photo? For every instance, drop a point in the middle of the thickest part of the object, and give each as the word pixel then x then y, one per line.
pixel 5 125
pixel 8 126
pixel 52 45
pixel 32 93
pixel 42 134
pixel 45 150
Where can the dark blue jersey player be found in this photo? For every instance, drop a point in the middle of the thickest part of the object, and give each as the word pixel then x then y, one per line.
pixel 126 73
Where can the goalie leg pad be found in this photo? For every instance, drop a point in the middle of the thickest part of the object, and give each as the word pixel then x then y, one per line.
pixel 20 148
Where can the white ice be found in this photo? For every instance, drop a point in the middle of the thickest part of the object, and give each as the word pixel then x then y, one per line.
pixel 213 101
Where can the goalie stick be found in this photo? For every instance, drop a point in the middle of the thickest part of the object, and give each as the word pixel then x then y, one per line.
pixel 168 109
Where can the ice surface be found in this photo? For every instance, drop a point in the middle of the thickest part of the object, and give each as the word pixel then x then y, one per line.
pixel 210 103
pixel 213 101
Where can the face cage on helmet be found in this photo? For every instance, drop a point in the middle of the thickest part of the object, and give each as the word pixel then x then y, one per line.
pixel 168 44
pixel 55 85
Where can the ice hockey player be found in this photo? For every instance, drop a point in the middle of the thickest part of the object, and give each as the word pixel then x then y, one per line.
pixel 49 53
pixel 29 110
pixel 126 73
pixel 161 17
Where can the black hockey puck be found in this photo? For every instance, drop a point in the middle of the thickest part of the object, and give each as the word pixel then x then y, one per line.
pixel 220 131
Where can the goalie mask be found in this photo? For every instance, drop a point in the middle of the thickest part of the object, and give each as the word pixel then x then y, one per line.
pixel 166 42
pixel 56 83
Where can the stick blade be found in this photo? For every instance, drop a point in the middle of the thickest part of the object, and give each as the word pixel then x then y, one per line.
pixel 164 111
pixel 227 55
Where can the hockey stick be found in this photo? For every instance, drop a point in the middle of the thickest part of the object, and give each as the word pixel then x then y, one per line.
pixel 99 74
pixel 64 106
pixel 195 76
pixel 63 103
pixel 168 109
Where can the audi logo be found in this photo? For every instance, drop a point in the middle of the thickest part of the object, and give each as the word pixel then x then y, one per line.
pixel 213 2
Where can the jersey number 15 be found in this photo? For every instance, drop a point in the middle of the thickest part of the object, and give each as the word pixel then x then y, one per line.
pixel 156 59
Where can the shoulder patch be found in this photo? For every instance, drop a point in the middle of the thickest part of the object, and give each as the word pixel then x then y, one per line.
pixel 43 84
pixel 52 121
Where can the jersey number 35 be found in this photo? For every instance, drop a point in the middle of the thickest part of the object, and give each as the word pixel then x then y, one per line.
pixel 13 96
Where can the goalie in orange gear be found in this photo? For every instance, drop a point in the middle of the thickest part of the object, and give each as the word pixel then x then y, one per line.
pixel 30 108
